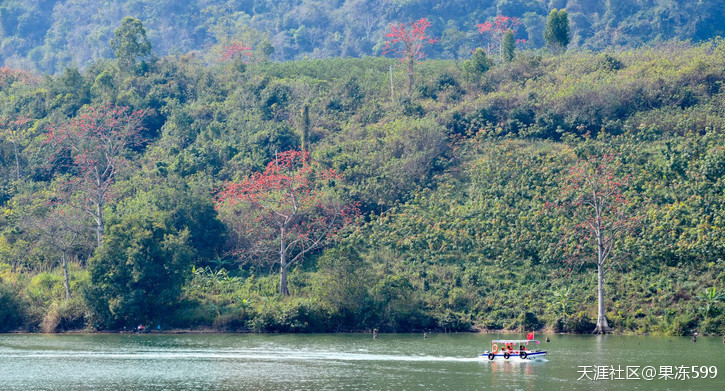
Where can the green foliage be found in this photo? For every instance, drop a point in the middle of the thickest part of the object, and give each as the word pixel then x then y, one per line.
pixel 52 35
pixel 457 231
pixel 383 162
pixel 44 289
pixel 69 92
pixel 562 302
pixel 72 314
pixel 680 325
pixel 130 43
pixel 11 309
pixel 296 315
pixel 398 305
pixel 579 323
pixel 137 274
pixel 343 283
pixel 186 207
pixel 529 321
pixel 508 46
pixel 477 65
pixel 557 33
pixel 710 299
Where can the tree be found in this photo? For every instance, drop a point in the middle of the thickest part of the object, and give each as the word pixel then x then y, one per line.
pixel 11 131
pixel 345 279
pixel 237 54
pixel 556 33
pixel 137 274
pixel 265 49
pixel 365 15
pixel 508 46
pixel 601 215
pixel 236 50
pixel 154 237
pixel 477 65
pixel 11 308
pixel 496 30
pixel 454 42
pixel 59 227
pixel 305 127
pixel 130 43
pixel 191 208
pixel 407 42
pixel 97 141
pixel 285 212
pixel 71 91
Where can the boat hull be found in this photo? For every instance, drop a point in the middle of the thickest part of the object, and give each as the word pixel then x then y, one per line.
pixel 513 357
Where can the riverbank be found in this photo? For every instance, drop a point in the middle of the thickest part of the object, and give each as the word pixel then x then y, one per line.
pixel 539 334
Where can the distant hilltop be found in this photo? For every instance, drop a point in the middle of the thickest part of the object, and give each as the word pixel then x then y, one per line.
pixel 49 35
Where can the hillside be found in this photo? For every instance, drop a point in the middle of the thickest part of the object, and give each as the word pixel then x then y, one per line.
pixel 454 187
pixel 50 35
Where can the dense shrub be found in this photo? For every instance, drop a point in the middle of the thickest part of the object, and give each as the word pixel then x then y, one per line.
pixel 65 315
pixel 136 277
pixel 301 315
pixel 11 309
pixel 579 323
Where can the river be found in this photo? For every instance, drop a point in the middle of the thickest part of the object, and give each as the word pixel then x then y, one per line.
pixel 352 362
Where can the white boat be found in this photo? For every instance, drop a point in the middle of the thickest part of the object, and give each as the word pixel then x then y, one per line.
pixel 513 349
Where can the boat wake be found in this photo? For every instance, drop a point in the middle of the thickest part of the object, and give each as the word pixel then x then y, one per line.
pixel 243 355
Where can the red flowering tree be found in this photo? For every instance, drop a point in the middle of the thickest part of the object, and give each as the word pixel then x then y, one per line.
pixel 285 212
pixel 97 141
pixel 600 215
pixel 236 50
pixel 494 31
pixel 407 41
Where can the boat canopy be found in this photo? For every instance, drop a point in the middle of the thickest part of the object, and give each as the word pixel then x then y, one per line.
pixel 504 341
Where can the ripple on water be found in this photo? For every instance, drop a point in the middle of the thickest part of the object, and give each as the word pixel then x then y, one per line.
pixel 328 362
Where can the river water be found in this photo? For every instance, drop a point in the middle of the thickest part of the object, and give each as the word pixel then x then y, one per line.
pixel 353 362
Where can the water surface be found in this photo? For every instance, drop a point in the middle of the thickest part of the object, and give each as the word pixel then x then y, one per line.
pixel 349 362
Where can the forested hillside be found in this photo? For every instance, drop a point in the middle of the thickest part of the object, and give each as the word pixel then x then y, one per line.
pixel 49 35
pixel 156 191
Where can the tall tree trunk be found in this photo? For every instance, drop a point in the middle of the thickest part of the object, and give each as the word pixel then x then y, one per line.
pixel 306 128
pixel 65 275
pixel 17 162
pixel 99 223
pixel 411 63
pixel 283 266
pixel 602 325
pixel 392 91
pixel 283 281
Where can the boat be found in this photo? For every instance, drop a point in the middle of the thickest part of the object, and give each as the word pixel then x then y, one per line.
pixel 513 349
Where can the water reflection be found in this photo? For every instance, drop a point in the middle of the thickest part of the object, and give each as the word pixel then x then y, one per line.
pixel 514 367
pixel 516 374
